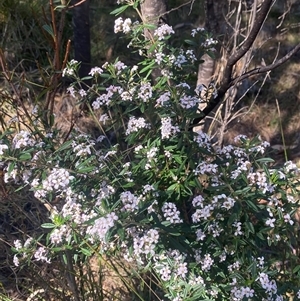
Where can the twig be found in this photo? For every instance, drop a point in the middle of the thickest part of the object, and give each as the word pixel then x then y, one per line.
pixel 80 2
pixel 227 80
pixel 281 132
pixel 267 68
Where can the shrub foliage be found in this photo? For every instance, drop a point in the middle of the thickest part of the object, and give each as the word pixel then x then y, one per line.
pixel 206 222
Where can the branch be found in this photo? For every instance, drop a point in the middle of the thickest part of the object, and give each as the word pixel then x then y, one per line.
pixel 266 68
pixel 226 82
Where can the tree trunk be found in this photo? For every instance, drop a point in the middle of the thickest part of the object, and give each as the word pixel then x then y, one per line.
pixel 81 40
pixel 215 24
pixel 153 12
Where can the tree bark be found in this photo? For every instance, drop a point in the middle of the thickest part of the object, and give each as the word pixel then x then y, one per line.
pixel 81 40
pixel 153 12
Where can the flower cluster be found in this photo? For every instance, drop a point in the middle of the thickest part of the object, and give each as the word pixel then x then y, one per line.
pixel 135 124
pixel 122 25
pixel 171 213
pixel 98 231
pixel 57 180
pixel 163 31
pixel 159 189
pixel 23 139
pixel 70 69
pixel 167 129
pixel 130 202
pixel 3 147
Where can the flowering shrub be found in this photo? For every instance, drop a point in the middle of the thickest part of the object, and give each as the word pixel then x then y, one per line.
pixel 209 223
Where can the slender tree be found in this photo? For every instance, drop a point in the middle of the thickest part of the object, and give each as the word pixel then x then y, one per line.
pixel 233 55
pixel 81 40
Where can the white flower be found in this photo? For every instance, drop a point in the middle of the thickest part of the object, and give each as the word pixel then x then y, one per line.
pixel 289 166
pixel 196 30
pixel 167 129
pixel 261 261
pixel 180 60
pixel 71 90
pixel 238 226
pixel 2 148
pixel 198 201
pixel 188 102
pixel 206 168
pixel 23 139
pixel 16 260
pixel 122 26
pixel 95 71
pixel 171 213
pixel 119 66
pixel 70 69
pixel 104 118
pixel 145 92
pixel 200 235
pixel 135 124
pixel 41 255
pixel 269 285
pixel 270 222
pixel 18 244
pixel 165 273
pixel 101 226
pixel 60 234
pixel 206 262
pixel 287 219
pixel 130 201
pixel 163 31
pixel 182 269
pixel 58 179
pixel 82 149
pixel 146 244
pixel 127 25
pixel 159 56
pixel 163 99
pixel 118 25
pixel 229 203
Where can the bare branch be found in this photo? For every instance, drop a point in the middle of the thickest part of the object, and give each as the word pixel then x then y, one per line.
pixel 226 81
pixel 268 68
pixel 260 19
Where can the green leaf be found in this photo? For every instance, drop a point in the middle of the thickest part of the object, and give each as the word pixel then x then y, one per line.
pixel 250 227
pixel 11 167
pixel 243 191
pixel 48 226
pixel 52 119
pixel 59 7
pixel 260 236
pixel 190 42
pixel 25 157
pixel 86 252
pixel 21 187
pixel 85 163
pixel 172 187
pixel 119 10
pixel 86 169
pixel 149 66
pixel 251 205
pixel 49 29
pixel 136 4
pixel 296 269
pixel 86 78
pixel 64 146
pixel 265 160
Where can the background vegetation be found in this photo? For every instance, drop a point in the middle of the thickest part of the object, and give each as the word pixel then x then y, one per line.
pixel 268 105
